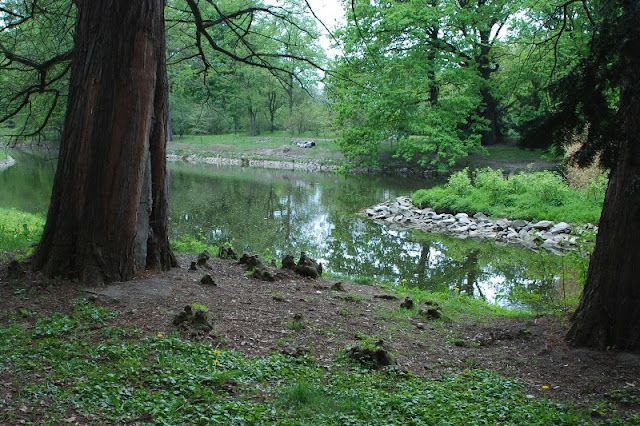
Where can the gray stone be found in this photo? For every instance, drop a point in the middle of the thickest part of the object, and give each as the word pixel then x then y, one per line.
pixel 560 228
pixel 502 223
pixel 519 223
pixel 543 224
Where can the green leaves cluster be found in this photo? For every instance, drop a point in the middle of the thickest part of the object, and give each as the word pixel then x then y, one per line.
pixel 531 196
pixel 247 67
pixel 430 82
pixel 36 40
pixel 419 75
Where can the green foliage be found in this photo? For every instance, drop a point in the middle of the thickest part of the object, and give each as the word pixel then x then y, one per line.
pixel 188 244
pixel 239 96
pixel 530 196
pixel 35 42
pixel 296 324
pixel 19 232
pixel 104 374
pixel 418 80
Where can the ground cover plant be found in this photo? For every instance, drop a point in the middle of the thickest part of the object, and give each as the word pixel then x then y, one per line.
pixel 78 367
pixel 19 231
pixel 541 195
pixel 281 353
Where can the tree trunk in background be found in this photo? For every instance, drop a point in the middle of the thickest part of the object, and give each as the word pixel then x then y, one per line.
pixel 253 122
pixel 290 98
pixel 609 311
pixel 490 104
pixel 109 206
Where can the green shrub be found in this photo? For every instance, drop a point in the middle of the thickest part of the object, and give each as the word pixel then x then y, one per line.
pixel 460 183
pixel 530 196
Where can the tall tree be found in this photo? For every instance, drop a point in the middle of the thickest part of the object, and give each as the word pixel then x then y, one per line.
pixel 424 78
pixel 108 215
pixel 109 206
pixel 608 314
pixel 600 94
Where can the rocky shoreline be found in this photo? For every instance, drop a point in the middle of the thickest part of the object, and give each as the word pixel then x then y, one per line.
pixel 7 163
pixel 309 166
pixel 554 237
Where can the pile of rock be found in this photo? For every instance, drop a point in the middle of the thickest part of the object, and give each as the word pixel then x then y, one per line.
pixel 555 237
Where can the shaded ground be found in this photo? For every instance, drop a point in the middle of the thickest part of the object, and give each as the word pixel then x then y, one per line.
pixel 255 317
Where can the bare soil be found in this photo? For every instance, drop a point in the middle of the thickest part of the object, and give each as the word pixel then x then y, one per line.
pixel 255 317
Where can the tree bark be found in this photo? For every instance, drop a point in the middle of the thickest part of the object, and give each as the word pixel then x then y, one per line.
pixel 253 121
pixel 290 98
pixel 609 311
pixel 109 206
pixel 489 102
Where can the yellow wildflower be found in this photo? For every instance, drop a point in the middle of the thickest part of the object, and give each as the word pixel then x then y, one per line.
pixel 159 335
pixel 545 387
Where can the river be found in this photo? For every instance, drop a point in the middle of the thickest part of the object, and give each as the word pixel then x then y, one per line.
pixel 275 212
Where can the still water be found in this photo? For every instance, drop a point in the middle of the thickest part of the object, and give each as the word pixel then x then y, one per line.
pixel 277 211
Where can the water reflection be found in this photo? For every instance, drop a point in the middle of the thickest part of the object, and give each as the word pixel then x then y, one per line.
pixel 27 185
pixel 290 212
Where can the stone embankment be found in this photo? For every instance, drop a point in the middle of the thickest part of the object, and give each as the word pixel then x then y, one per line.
pixel 554 237
pixel 7 163
pixel 310 166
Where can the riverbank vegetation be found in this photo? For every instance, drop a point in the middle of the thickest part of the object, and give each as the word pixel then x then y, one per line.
pixel 19 232
pixel 530 196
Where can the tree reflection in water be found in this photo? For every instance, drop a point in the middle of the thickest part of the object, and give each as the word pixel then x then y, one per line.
pixel 290 212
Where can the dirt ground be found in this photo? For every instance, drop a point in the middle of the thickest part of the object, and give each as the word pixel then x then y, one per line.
pixel 255 317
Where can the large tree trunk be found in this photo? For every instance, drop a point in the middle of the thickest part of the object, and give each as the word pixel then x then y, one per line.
pixel 609 312
pixel 109 206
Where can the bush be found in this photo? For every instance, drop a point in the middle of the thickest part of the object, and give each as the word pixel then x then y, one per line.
pixel 530 196
pixel 460 183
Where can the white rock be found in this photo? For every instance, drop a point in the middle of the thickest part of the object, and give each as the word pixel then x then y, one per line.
pixel 561 227
pixel 543 224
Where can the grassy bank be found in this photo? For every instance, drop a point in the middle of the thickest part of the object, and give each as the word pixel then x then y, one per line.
pixel 529 196
pixel 19 232
pixel 278 146
pixel 98 372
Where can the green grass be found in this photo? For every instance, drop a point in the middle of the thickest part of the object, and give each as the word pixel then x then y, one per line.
pixel 3 155
pixel 78 366
pixel 19 232
pixel 529 196
pixel 269 147
pixel 241 143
